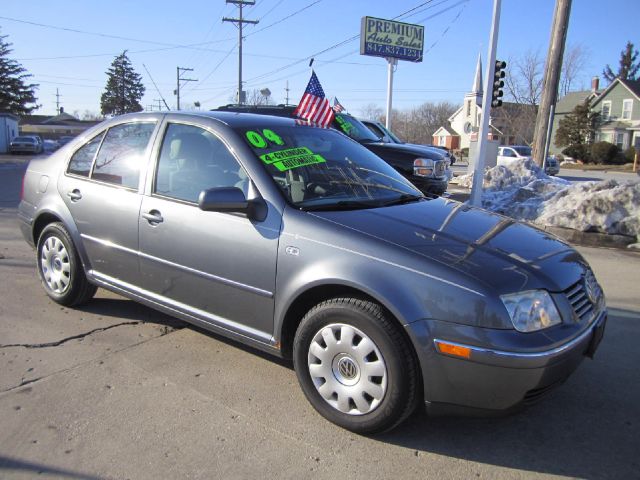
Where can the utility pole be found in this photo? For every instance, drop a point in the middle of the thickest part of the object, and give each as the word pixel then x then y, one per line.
pixel 180 79
pixel 57 102
pixel 551 78
pixel 286 101
pixel 478 172
pixel 240 21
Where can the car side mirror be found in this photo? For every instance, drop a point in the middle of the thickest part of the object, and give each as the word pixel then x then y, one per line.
pixel 230 200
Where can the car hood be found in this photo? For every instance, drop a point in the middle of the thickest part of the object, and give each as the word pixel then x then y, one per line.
pixel 502 254
pixel 407 148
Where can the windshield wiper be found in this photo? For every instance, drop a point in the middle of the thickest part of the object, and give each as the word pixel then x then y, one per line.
pixel 405 198
pixel 341 205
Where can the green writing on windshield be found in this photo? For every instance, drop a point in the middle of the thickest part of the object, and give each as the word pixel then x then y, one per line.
pixel 291 158
pixel 346 127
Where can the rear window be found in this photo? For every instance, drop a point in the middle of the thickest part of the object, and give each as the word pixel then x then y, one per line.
pixel 25 139
pixel 122 153
pixel 81 161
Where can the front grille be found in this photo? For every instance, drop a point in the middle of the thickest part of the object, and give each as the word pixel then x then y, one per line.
pixel 577 296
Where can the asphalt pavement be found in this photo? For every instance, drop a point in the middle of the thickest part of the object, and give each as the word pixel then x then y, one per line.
pixel 115 390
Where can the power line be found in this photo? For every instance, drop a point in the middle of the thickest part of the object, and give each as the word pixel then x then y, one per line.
pixel 332 47
pixel 154 84
pixel 284 18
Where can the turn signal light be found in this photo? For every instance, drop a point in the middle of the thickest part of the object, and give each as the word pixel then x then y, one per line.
pixel 455 350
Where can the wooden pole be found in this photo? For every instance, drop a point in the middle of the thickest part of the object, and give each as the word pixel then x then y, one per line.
pixel 551 77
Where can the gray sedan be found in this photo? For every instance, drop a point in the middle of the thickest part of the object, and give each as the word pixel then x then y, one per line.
pixel 298 241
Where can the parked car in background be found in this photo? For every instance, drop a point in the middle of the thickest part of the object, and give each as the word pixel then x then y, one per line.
pixel 51 145
pixel 62 141
pixel 26 144
pixel 387 136
pixel 426 168
pixel 512 153
pixel 298 241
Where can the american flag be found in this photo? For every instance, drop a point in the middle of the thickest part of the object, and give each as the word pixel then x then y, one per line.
pixel 314 106
pixel 337 106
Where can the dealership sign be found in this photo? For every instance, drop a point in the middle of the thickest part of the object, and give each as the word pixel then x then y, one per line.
pixel 389 39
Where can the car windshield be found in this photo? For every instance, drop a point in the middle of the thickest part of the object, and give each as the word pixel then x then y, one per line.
pixel 523 151
pixel 24 139
pixel 391 135
pixel 320 169
pixel 354 128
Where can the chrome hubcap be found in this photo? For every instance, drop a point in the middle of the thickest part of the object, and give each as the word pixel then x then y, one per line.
pixel 347 369
pixel 55 265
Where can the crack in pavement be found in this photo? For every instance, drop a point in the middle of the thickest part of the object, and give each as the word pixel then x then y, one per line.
pixel 65 340
pixel 165 331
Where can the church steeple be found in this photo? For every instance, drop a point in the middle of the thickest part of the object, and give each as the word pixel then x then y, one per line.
pixel 477 81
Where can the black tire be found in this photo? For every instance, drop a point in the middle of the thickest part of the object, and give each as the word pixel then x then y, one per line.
pixel 60 269
pixel 400 383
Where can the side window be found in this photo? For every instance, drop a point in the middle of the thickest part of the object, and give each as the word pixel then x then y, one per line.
pixel 121 154
pixel 81 161
pixel 193 159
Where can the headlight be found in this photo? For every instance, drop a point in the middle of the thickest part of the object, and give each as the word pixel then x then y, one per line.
pixel 423 167
pixel 531 311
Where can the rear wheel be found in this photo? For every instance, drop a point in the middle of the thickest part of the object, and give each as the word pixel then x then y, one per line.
pixel 60 269
pixel 355 366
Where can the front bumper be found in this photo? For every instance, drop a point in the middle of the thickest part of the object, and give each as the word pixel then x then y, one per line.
pixel 434 186
pixel 495 380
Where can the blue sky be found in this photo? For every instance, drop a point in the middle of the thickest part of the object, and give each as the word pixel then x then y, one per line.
pixel 455 32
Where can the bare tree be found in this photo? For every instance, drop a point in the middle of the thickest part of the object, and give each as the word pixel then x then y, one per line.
pixel 523 83
pixel 418 124
pixel 372 111
pixel 259 97
pixel 573 64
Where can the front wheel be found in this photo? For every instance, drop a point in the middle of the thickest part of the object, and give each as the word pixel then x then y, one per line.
pixel 60 269
pixel 355 365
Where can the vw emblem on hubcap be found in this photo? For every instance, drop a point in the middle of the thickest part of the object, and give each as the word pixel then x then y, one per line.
pixel 347 368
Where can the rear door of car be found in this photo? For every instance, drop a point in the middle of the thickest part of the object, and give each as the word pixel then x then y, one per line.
pixel 101 188
pixel 218 267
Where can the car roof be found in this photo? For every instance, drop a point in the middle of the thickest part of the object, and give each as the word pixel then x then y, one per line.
pixel 234 119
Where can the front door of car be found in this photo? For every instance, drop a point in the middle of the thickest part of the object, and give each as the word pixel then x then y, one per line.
pixel 219 267
pixel 101 189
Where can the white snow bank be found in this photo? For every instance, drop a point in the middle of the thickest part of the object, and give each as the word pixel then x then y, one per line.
pixel 524 192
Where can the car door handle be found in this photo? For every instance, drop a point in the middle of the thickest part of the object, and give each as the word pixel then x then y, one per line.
pixel 153 217
pixel 74 195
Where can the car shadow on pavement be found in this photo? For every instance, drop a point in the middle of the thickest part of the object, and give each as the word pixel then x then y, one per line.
pixel 589 427
pixel 8 464
pixel 125 309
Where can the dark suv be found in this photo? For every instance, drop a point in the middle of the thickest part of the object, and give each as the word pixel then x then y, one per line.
pixel 422 166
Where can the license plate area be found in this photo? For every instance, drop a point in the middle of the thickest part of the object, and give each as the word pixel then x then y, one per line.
pixel 598 333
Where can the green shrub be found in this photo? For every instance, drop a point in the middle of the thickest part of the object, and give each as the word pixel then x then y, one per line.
pixel 578 152
pixel 607 153
pixel 629 154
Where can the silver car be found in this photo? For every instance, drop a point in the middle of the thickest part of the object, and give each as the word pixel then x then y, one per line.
pixel 26 144
pixel 299 241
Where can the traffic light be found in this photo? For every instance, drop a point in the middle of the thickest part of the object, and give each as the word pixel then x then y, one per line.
pixel 498 83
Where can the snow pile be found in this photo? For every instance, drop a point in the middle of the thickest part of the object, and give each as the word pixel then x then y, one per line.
pixel 524 192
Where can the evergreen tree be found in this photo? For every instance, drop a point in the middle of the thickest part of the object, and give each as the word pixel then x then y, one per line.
pixel 629 66
pixel 16 95
pixel 578 127
pixel 124 88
